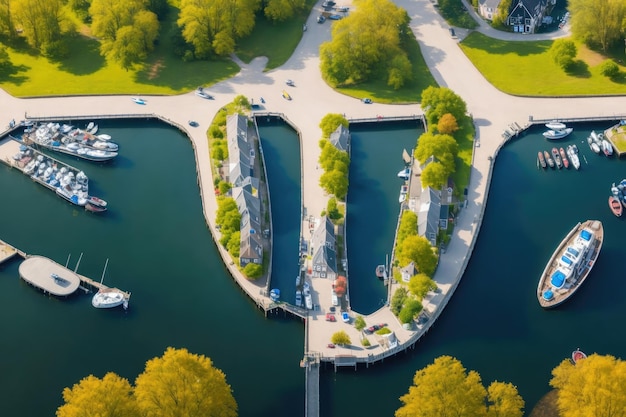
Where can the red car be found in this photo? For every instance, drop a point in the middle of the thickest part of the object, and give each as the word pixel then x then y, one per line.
pixel 330 317
pixel 331 345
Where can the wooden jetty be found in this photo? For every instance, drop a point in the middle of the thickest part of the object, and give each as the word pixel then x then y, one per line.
pixel 7 251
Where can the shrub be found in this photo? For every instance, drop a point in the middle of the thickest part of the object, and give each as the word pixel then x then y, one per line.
pixel 563 52
pixel 397 300
pixel 216 132
pixel 609 68
pixel 253 270
pixel 384 330
pixel 366 342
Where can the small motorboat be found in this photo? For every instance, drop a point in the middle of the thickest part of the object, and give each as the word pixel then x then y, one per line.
pixel 94 209
pixel 564 157
pixel 90 126
pixel 572 152
pixel 108 298
pixel 556 125
pixel 403 192
pixel 557 134
pixel 615 205
pixel 607 148
pixel 104 137
pixel 541 159
pixel 405 174
pixel 96 201
pixel 578 355
pixel 557 158
pixel 275 294
pixel 93 130
pixel 137 100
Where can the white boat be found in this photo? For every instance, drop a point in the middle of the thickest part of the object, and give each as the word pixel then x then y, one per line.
pixel 405 174
pixel 298 298
pixel 138 100
pixel 93 130
pixel 308 301
pixel 555 125
pixel 557 134
pixel 607 148
pixel 90 126
pixel 93 200
pixel 104 136
pixel 403 192
pixel 108 297
pixel 573 156
pixel 275 295
pixel 570 264
pixel 97 155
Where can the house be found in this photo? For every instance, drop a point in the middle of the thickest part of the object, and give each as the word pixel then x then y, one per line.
pixel 323 249
pixel 488 9
pixel 240 151
pixel 429 214
pixel 408 272
pixel 340 138
pixel 527 15
pixel 250 248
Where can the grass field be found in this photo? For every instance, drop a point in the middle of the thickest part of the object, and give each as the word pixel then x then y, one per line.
pixel 526 68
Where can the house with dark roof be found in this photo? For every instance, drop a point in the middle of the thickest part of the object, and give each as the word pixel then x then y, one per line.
pixel 488 9
pixel 250 248
pixel 240 151
pixel 429 215
pixel 527 15
pixel 324 250
pixel 340 138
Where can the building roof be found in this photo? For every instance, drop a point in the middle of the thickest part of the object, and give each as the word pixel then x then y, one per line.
pixel 250 246
pixel 340 138
pixel 324 245
pixel 239 166
pixel 493 4
pixel 428 215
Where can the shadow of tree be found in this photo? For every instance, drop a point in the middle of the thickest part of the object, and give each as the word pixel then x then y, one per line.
pixel 9 74
pixel 619 78
pixel 84 57
pixel 578 69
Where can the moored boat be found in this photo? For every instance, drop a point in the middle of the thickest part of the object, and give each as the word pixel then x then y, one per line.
pixel 564 157
pixel 615 205
pixel 557 157
pixel 570 264
pixel 548 158
pixel 578 355
pixel 108 298
pixel 275 294
pixel 403 192
pixel 138 100
pixel 405 174
pixel 541 159
pixel 572 152
pixel 555 125
pixel 381 271
pixel 557 134
pixel 607 148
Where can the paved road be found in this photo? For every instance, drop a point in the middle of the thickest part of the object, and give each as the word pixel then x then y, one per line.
pixel 493 111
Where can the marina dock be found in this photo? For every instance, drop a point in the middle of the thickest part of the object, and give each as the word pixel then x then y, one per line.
pixel 52 277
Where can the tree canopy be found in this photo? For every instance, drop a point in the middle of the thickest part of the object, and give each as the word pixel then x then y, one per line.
pixel 340 338
pixel 418 249
pixel 106 397
pixel 446 389
pixel 331 122
pixel 598 23
pixel 368 42
pixel 282 10
pixel 40 20
pixel 336 164
pixel 183 384
pixel 595 386
pixel 421 284
pixel 563 52
pixel 437 101
pixel 212 27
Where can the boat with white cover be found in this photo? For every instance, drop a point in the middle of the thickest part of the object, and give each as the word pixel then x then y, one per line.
pixel 556 125
pixel 557 134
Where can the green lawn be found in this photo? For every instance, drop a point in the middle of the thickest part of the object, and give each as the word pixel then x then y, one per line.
pixel 526 68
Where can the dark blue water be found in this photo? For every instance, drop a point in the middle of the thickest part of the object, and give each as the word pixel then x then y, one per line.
pixel 160 249
pixel 373 208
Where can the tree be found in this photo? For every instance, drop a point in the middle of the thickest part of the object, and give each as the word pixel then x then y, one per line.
pixel 563 52
pixel 444 389
pixel 597 22
pixel 437 101
pixel 417 249
pixel 330 123
pixel 213 26
pixel 282 10
pixel 40 20
pixel 234 244
pixel 365 43
pixel 447 124
pixel 107 397
pixel 400 71
pixel 335 182
pixel 5 59
pixel 341 285
pixel 224 218
pixel 397 300
pixel 435 175
pixel 359 323
pixel 408 225
pixel 253 270
pixel 443 147
pixel 504 400
pixel 6 20
pixel 421 284
pixel 608 68
pixel 340 338
pixel 410 310
pixel 595 386
pixel 183 384
pixel 332 211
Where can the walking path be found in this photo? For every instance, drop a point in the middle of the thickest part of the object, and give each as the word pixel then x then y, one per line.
pixel 492 110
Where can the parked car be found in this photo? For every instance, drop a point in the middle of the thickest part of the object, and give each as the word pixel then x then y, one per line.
pixel 335 17
pixel 321 19
pixel 290 83
pixel 452 33
pixel 328 4
pixel 367 100
pixel 345 317
pixel 193 123
pixel 343 9
pixel 330 317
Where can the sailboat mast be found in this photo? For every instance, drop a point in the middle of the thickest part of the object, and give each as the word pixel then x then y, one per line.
pixel 104 270
pixel 78 263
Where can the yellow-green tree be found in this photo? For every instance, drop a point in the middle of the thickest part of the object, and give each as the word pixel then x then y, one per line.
pixel 437 101
pixel 443 147
pixel 6 22
pixel 418 249
pixel 40 20
pixel 598 23
pixel 107 397
pixel 340 338
pixel 182 384
pixel 281 10
pixel 331 122
pixel 421 284
pixel 595 386
pixel 446 389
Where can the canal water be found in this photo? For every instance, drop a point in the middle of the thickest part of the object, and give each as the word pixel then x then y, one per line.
pixel 159 248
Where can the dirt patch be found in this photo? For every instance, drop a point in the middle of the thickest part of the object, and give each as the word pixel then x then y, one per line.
pixel 546 407
pixel 155 69
pixel 592 58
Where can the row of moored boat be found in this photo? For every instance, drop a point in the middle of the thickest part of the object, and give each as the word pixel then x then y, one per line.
pixel 559 158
